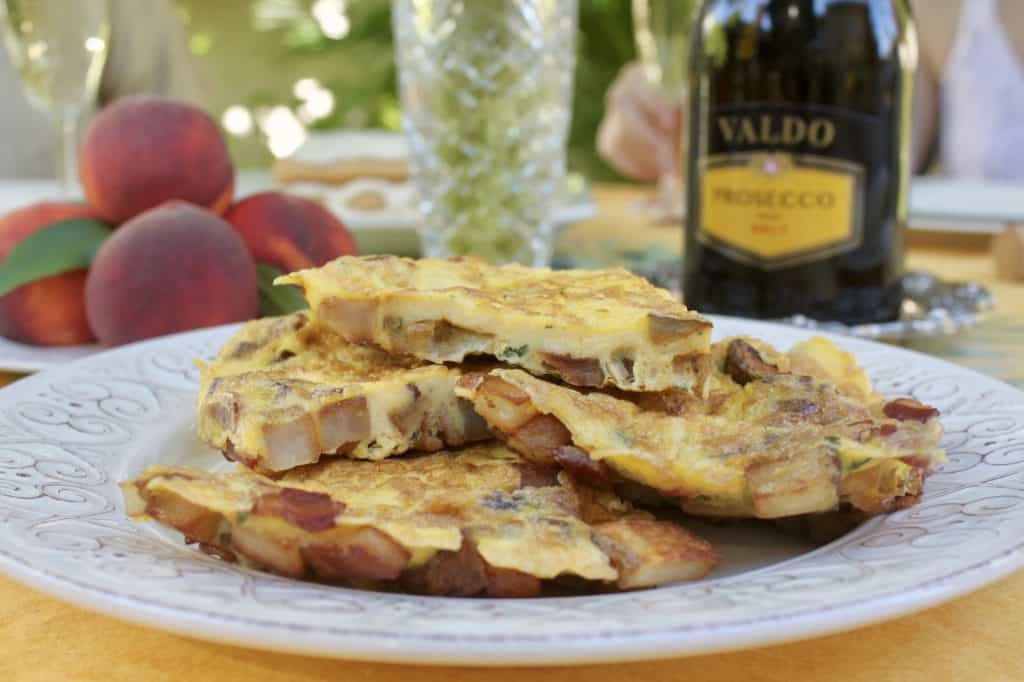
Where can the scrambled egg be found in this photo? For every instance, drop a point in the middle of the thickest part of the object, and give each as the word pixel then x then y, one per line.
pixel 283 391
pixel 768 446
pixel 588 327
pixel 394 519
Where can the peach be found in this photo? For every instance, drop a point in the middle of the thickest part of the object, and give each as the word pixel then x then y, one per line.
pixel 48 311
pixel 142 151
pixel 172 268
pixel 289 232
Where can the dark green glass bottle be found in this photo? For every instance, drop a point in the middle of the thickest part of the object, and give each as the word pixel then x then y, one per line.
pixel 799 158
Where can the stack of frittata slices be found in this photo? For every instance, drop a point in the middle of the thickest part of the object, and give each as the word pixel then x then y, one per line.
pixel 448 427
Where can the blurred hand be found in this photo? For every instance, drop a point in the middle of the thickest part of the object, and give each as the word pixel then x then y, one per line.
pixel 640 133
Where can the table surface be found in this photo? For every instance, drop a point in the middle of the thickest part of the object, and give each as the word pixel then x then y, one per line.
pixel 976 637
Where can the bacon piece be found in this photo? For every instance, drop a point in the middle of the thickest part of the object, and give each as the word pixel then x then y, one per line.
pixel 500 388
pixel 366 554
pixel 576 371
pixel 649 553
pixel 452 574
pixel 438 337
pixel 539 438
pixel 307 509
pixel 744 364
pixel 874 431
pixel 465 574
pixel 908 409
pixel 582 467
pixel 474 427
pixel 663 329
pixel 537 475
pixel 508 583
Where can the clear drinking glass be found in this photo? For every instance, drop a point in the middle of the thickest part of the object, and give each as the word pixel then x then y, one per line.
pixel 662 31
pixel 59 48
pixel 486 88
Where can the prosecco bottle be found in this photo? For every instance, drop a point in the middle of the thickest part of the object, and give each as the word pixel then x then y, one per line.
pixel 799 158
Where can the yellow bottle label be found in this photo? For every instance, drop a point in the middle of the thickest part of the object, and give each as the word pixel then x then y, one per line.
pixel 776 210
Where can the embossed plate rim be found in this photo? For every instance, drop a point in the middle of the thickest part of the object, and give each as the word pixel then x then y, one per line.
pixel 472 643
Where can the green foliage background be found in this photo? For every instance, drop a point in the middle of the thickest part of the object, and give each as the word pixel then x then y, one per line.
pixel 251 52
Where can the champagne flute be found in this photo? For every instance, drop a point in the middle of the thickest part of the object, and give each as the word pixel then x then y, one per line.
pixel 59 48
pixel 662 32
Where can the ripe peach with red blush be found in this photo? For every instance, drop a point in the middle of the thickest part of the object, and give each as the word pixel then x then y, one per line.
pixel 170 269
pixel 142 151
pixel 289 232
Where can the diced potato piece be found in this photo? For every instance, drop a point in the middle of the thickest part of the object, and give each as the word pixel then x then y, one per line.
pixel 354 319
pixel 797 485
pixel 649 553
pixel 366 554
pixel 260 548
pixel 291 442
pixel 343 423
pixel 195 522
pixel 502 405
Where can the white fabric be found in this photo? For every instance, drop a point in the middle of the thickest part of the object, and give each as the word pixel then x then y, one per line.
pixel 983 99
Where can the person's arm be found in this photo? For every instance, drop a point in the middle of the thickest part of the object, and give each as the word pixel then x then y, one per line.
pixel 149 53
pixel 639 134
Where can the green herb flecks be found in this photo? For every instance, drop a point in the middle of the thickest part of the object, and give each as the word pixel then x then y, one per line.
pixel 509 352
pixel 851 465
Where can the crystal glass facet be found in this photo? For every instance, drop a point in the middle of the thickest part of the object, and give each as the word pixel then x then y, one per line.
pixel 486 89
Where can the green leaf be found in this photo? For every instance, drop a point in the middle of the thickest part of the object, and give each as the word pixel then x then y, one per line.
pixel 276 300
pixel 59 247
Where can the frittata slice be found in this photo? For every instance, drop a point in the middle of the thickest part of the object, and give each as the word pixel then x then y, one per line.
pixel 480 521
pixel 282 392
pixel 591 328
pixel 766 443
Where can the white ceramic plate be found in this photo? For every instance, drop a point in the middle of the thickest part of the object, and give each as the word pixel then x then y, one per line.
pixel 68 435
pixel 20 357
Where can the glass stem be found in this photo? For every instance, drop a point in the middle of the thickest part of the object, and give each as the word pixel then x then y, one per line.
pixel 66 140
pixel 682 102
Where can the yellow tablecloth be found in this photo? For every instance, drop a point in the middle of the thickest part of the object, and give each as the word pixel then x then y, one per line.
pixel 977 637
